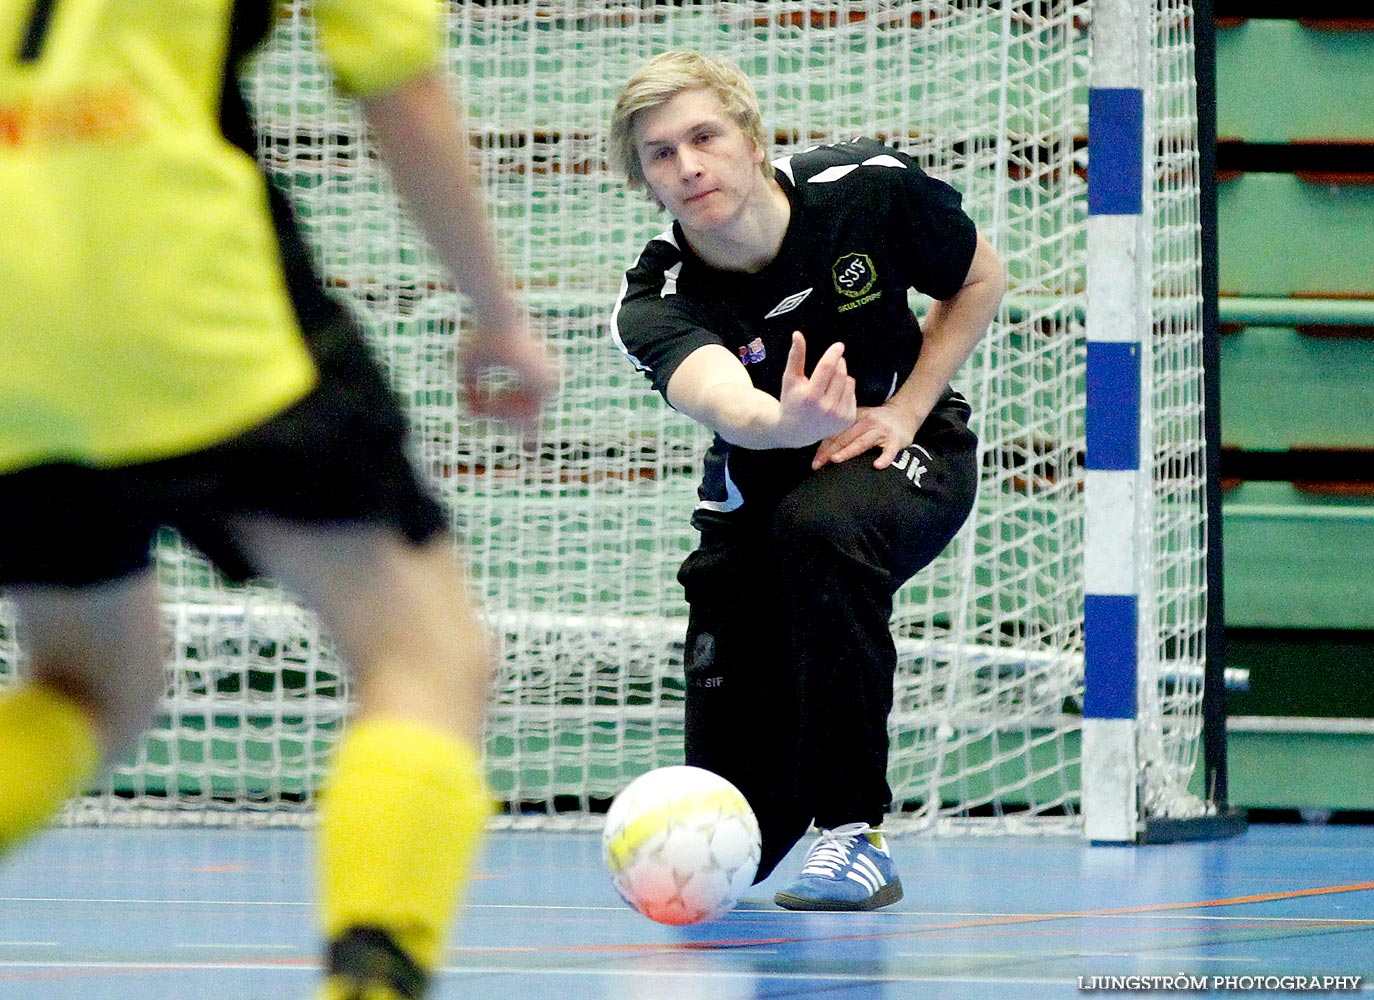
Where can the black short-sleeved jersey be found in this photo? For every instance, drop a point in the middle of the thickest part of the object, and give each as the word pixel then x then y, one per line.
pixel 867 225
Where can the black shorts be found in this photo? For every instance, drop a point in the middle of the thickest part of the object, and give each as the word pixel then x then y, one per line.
pixel 338 456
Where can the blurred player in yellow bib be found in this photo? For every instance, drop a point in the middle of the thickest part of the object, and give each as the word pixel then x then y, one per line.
pixel 167 358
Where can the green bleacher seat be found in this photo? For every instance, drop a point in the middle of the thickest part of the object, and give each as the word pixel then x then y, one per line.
pixel 1281 389
pixel 1279 80
pixel 1280 235
pixel 1298 560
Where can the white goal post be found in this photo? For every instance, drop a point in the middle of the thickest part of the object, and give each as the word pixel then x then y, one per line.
pixel 574 546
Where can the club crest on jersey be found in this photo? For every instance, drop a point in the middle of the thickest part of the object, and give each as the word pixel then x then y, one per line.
pixel 854 274
pixel 855 277
pixel 752 352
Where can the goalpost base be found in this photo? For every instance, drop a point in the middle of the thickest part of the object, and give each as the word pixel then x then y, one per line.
pixel 1221 826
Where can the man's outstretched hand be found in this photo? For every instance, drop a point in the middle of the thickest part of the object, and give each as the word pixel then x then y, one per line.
pixel 814 407
pixel 507 374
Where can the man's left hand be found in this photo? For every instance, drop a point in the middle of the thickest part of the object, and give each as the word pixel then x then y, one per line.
pixel 884 427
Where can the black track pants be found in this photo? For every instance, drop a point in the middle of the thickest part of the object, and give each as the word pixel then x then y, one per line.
pixel 789 653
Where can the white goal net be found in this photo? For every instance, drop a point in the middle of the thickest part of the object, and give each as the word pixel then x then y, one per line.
pixel 574 545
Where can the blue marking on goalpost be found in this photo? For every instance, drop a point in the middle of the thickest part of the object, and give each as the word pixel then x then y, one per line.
pixel 1113 406
pixel 1116 150
pixel 1110 656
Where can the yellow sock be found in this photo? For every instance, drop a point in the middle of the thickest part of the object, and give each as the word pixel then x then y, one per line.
pixel 49 750
pixel 400 824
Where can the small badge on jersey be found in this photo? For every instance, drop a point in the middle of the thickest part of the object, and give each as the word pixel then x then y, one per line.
pixel 752 352
pixel 855 276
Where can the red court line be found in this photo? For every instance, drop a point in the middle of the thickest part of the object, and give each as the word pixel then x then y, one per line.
pixel 1277 927
pixel 1024 918
pixel 1264 897
pixel 925 929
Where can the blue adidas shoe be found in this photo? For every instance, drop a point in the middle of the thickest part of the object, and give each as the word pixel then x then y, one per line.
pixel 847 868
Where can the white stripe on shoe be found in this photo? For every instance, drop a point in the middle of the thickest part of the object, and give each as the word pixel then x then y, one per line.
pixel 867 867
pixel 865 880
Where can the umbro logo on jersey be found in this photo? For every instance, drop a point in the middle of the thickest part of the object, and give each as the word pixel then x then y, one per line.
pixel 788 304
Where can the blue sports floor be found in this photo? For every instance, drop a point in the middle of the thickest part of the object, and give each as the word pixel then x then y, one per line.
pixel 123 914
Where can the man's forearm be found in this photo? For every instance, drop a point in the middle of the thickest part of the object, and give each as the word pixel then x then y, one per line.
pixel 949 339
pixel 711 387
pixel 952 329
pixel 741 414
pixel 423 140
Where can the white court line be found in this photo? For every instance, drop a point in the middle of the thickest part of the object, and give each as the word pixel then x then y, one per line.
pixel 253 947
pixel 1164 956
pixel 159 966
pixel 1199 915
pixel 960 954
pixel 885 976
pixel 146 902
pixel 1075 955
pixel 945 915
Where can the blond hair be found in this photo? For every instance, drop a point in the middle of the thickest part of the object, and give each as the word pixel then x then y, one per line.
pixel 664 77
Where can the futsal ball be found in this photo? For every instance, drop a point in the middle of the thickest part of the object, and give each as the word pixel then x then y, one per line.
pixel 681 844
